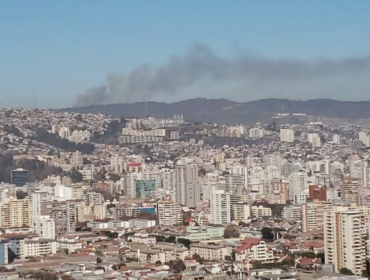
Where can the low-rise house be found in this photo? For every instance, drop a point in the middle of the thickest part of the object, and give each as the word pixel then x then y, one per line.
pixel 253 249
pixel 209 252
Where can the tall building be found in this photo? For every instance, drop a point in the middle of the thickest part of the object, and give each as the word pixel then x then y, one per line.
pixel 188 186
pixel 15 213
pixel 77 159
pixel 256 133
pixel 316 192
pixel 286 135
pixel 297 184
pixel 362 136
pixel 241 211
pixel 336 139
pixel 117 164
pixel 169 212
pixel 167 179
pixel 93 198
pixel 64 132
pixel 366 175
pixel 145 188
pixel 4 251
pixel 273 160
pixel 19 177
pixel 37 200
pixel 235 183
pixel 220 207
pixel 344 238
pixel 63 192
pixel 312 215
pixel 356 169
pixel 350 188
pixel 63 213
pixel 44 226
pixel 314 139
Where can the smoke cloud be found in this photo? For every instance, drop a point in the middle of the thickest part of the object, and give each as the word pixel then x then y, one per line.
pixel 202 73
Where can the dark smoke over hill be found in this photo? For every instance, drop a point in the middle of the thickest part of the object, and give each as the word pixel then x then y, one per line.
pixel 202 73
pixel 225 111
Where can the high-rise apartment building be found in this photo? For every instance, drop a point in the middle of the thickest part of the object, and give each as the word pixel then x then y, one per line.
pixel 19 177
pixel 350 188
pixel 64 132
pixel 336 139
pixel 286 135
pixel 297 183
pixel 312 215
pixel 317 193
pixel 356 169
pixel 362 136
pixel 314 139
pixel 77 159
pixel 169 212
pixel 63 213
pixel 15 213
pixel 344 238
pixel 256 133
pixel 241 211
pixel 117 164
pixel 37 200
pixel 44 226
pixel 4 252
pixel 167 179
pixel 220 207
pixel 188 186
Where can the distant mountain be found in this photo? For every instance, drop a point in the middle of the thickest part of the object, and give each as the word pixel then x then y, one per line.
pixel 226 111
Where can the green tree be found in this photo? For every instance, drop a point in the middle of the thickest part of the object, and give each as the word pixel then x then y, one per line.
pixel 185 242
pixel 322 257
pixel 267 233
pixel 21 194
pixel 160 239
pixel 345 271
pixel 308 255
pixel 198 258
pixel 171 239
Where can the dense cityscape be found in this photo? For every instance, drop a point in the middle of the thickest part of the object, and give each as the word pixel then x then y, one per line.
pixel 96 197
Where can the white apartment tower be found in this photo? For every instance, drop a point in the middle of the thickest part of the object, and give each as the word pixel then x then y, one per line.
pixel 312 215
pixel 77 159
pixel 188 186
pixel 255 133
pixel 336 139
pixel 220 207
pixel 314 139
pixel 169 212
pixel 37 200
pixel 286 135
pixel 297 184
pixel 44 226
pixel 344 238
pixel 362 136
pixel 15 213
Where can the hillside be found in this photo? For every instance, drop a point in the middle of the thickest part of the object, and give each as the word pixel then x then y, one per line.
pixel 225 111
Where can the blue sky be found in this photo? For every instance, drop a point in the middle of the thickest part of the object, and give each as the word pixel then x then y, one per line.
pixel 62 48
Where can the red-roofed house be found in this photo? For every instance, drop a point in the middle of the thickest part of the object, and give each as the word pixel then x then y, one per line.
pixel 255 249
pixel 308 263
pixel 134 167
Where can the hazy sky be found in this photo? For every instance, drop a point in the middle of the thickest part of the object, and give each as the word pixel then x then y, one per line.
pixel 121 51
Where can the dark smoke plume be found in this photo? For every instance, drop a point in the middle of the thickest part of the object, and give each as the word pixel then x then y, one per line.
pixel 202 73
